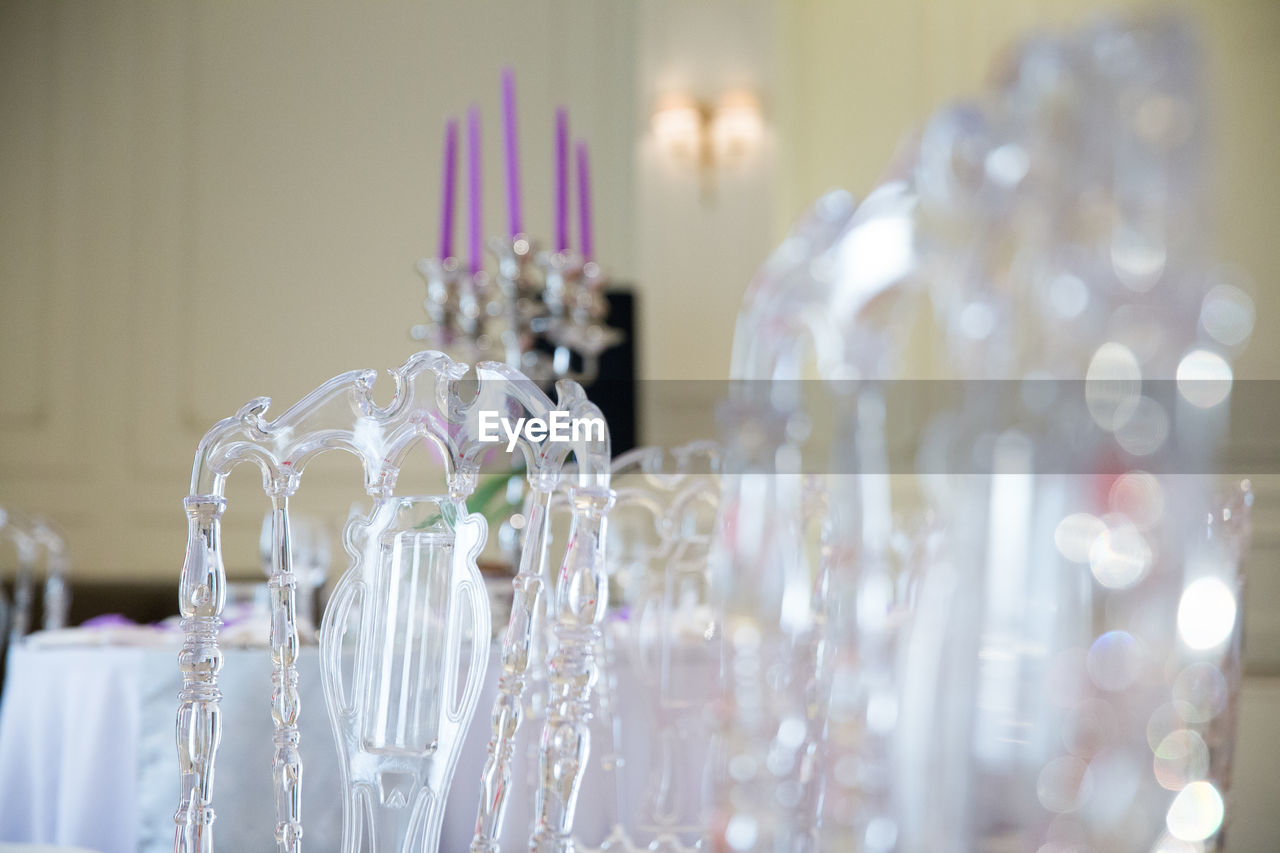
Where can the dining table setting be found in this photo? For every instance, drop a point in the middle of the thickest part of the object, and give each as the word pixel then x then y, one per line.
pixel 990 604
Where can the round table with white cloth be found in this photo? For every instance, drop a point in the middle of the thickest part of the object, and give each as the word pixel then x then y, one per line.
pixel 87 753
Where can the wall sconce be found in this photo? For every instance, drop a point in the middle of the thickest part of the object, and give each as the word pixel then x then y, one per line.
pixel 726 135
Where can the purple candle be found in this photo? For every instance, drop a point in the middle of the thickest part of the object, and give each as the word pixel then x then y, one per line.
pixel 584 203
pixel 450 173
pixel 513 152
pixel 475 232
pixel 562 179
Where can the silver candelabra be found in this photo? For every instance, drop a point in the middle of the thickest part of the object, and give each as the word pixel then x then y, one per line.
pixel 535 314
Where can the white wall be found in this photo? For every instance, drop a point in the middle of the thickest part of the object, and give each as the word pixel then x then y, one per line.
pixel 699 237
pixel 207 202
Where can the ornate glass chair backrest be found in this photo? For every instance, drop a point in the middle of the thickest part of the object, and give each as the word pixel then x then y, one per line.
pixel 410 605
pixel 656 662
pixel 669 642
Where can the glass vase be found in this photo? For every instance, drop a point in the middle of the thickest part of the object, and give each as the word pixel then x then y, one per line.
pixel 403 648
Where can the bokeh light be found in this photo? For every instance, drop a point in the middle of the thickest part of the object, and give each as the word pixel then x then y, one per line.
pixel 1227 314
pixel 1120 556
pixel 1200 691
pixel 1139 496
pixel 1137 258
pixel 1115 660
pixel 1145 430
pixel 1064 784
pixel 741 831
pixel 1196 813
pixel 1074 536
pixel 1165 720
pixel 1204 378
pixel 1206 614
pixel 1169 844
pixel 1068 296
pixel 1181 758
pixel 1112 385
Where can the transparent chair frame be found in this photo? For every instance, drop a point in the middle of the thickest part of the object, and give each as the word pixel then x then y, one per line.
pixel 342 415
pixel 675 570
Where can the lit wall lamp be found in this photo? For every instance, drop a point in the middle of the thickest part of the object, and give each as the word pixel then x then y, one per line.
pixel 691 131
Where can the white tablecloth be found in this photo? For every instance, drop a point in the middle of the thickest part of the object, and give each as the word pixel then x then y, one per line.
pixel 68 765
pixel 87 755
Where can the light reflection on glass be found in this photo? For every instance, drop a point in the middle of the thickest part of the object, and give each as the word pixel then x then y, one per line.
pixel 1120 557
pixel 1112 386
pixel 1064 784
pixel 1114 661
pixel 1196 813
pixel 1166 720
pixel 1227 314
pixel 1139 496
pixel 1201 692
pixel 1076 534
pixel 1206 614
pixel 1068 296
pixel 1204 378
pixel 741 832
pixel 1145 430
pixel 1169 844
pixel 1181 758
pixel 1137 258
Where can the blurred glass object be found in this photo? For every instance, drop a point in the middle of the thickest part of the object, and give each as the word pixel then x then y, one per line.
pixel 1042 654
pixel 32 537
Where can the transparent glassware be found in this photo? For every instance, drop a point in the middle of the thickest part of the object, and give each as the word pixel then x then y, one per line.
pixel 1001 683
pixel 311 557
pixel 434 406
pixel 17 529
pixel 57 591
pixel 1072 560
pixel 31 536
pixel 403 650
pixel 788 546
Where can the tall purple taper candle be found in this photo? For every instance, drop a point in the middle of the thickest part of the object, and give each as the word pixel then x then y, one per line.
pixel 475 232
pixel 562 179
pixel 449 179
pixel 584 203
pixel 513 150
